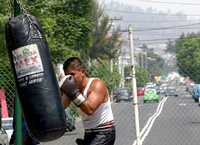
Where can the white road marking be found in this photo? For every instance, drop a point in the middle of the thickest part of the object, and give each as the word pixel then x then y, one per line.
pixel 182 104
pixel 151 121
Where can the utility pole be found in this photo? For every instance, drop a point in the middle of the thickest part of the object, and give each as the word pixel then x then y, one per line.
pixel 116 19
pixel 122 72
pixel 134 86
pixel 145 59
pixel 119 59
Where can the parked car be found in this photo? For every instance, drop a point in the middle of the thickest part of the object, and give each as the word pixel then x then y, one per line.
pixel 196 93
pixel 3 137
pixel 122 95
pixel 151 95
pixel 171 91
pixel 140 91
pixel 150 85
pixel 163 89
pixel 190 88
pixel 7 125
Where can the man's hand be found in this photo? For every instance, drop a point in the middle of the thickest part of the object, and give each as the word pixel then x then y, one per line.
pixel 69 87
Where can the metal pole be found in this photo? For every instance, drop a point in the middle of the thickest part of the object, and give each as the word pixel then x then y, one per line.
pixel 120 69
pixel 18 112
pixel 123 82
pixel 134 85
pixel 111 65
pixel 18 121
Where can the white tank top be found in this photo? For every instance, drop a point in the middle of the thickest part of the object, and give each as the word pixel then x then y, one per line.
pixel 102 115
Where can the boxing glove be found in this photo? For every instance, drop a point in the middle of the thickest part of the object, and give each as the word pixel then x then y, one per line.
pixel 69 87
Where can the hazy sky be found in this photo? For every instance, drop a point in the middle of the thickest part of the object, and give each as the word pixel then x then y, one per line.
pixel 189 7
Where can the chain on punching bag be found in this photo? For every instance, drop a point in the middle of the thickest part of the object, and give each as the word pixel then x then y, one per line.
pixel 35 78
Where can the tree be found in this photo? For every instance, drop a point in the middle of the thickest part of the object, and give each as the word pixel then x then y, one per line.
pixel 105 46
pixel 76 27
pixel 144 47
pixel 101 70
pixel 105 43
pixel 171 47
pixel 155 64
pixel 3 20
pixel 3 49
pixel 188 56
pixel 67 25
pixel 142 76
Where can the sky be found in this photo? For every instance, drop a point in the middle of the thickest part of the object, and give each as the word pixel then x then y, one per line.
pixel 189 7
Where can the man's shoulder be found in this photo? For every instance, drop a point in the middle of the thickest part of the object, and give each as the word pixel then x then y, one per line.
pixel 98 84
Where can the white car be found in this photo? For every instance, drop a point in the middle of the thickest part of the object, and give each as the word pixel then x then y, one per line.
pixel 7 125
pixel 150 85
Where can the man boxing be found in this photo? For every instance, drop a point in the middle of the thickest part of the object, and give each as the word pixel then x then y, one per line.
pixel 92 97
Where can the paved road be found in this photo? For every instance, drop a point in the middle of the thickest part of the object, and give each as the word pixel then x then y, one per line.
pixel 125 125
pixel 123 113
pixel 69 138
pixel 178 124
pixel 173 121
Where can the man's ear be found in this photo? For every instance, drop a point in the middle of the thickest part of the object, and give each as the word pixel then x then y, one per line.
pixel 84 72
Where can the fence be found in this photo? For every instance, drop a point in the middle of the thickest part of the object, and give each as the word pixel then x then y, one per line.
pixel 172 121
pixel 7 82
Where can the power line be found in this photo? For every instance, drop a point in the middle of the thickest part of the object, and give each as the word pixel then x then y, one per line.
pixel 141 30
pixel 162 42
pixel 166 32
pixel 143 13
pixel 151 43
pixel 179 29
pixel 174 35
pixel 162 28
pixel 170 27
pixel 156 21
pixel 158 39
pixel 137 41
pixel 173 3
pixel 155 41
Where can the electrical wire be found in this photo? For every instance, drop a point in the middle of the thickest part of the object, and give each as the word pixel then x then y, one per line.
pixel 173 3
pixel 158 39
pixel 159 21
pixel 143 13
pixel 162 28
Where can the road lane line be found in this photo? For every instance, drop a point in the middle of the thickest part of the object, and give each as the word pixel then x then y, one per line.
pixel 151 118
pixel 182 104
pixel 153 121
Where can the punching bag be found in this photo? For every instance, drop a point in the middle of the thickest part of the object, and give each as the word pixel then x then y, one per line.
pixel 35 78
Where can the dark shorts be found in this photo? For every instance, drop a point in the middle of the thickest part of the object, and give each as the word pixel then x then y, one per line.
pixel 100 136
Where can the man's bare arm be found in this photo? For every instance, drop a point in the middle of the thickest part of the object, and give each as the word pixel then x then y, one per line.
pixel 65 100
pixel 95 97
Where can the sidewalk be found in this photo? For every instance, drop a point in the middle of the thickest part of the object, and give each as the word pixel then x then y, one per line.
pixel 69 137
